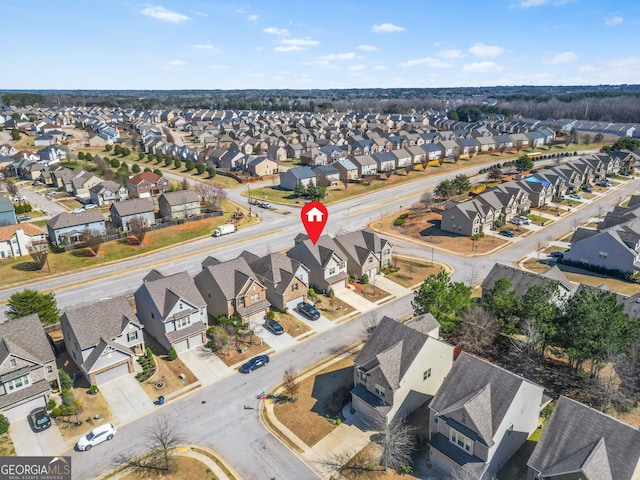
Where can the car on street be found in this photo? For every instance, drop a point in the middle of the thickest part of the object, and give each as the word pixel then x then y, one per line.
pixel 96 436
pixel 20 198
pixel 274 327
pixel 255 362
pixel 266 205
pixel 39 419
pixel 507 233
pixel 308 311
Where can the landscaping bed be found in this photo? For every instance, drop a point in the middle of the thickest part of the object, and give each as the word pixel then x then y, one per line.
pixel 168 374
pixel 231 356
pixel 370 292
pixel 93 405
pixel 409 272
pixel 331 308
pixel 182 468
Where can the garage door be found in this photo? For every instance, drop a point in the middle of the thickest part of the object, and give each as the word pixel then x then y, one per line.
pixel 112 374
pixel 21 411
pixel 292 304
pixel 181 346
pixel 256 321
pixel 341 285
pixel 195 341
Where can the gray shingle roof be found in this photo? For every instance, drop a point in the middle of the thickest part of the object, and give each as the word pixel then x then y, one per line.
pixel 581 440
pixel 167 291
pixel 360 243
pixel 102 319
pixel 63 220
pixel 180 197
pixel 133 207
pixel 521 280
pixel 25 337
pixel 230 276
pixel 275 271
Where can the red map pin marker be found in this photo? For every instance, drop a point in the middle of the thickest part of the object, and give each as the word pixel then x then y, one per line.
pixel 314 217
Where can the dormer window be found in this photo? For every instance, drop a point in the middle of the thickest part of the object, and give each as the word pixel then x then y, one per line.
pixel 461 441
pixel 13 363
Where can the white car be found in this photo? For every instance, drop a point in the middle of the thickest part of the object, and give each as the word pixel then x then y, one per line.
pixel 89 206
pixel 78 210
pixel 96 436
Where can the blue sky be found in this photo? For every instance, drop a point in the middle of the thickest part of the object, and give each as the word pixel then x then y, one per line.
pixel 123 44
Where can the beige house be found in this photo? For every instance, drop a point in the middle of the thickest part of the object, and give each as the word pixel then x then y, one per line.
pixel 180 204
pixel 16 240
pixel 261 166
pixel 400 367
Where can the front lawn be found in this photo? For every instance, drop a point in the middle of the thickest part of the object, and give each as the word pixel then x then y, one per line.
pixel 92 406
pixel 370 291
pixel 6 446
pixel 248 347
pixel 291 324
pixel 168 375
pixel 331 308
pixel 411 272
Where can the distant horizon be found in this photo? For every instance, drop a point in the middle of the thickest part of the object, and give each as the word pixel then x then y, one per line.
pixel 203 45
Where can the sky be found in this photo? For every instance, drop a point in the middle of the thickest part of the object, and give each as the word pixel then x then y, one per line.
pixel 317 44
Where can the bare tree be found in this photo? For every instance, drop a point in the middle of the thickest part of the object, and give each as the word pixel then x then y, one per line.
pixel 477 330
pixel 396 440
pixel 185 184
pixel 290 382
pixel 524 349
pixel 92 240
pixel 351 465
pixel 162 437
pixel 11 187
pixel 370 321
pixel 38 253
pixel 138 228
pixel 212 195
pixel 427 199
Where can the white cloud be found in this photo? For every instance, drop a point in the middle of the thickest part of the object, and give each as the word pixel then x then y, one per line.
pixel 563 57
pixel 276 31
pixel 220 67
pixel 387 28
pixel 479 67
pixel 253 18
pixel 532 3
pixel 300 42
pixel 289 48
pixel 206 47
pixel 379 68
pixel 450 53
pixel 356 68
pixel 482 50
pixel 161 13
pixel 337 57
pixel 176 63
pixel 428 61
pixel 368 48
pixel 609 22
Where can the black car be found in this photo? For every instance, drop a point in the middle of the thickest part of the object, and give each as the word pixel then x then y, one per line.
pixel 507 233
pixel 556 254
pixel 587 189
pixel 255 362
pixel 274 327
pixel 308 311
pixel 39 419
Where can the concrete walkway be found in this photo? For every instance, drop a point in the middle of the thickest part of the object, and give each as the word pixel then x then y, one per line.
pixel 357 301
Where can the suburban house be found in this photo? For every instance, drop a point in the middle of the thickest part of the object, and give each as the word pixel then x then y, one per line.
pixel 180 204
pixel 366 252
pixel 290 178
pixel 103 338
pixel 366 165
pixel 285 279
pixel 313 157
pixel 581 442
pixel 147 184
pixel 481 415
pixel 327 175
pixel 400 367
pixel 172 310
pixel 385 161
pixel 66 228
pixel 7 212
pixel 16 240
pixel 82 182
pixel 107 192
pixel 231 288
pixel 28 369
pixel 326 263
pixel 261 166
pixel 123 212
pixel 468 218
pixel 347 171
pixel 521 280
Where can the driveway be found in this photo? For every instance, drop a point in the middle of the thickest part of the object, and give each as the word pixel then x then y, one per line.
pixel 28 443
pixel 126 398
pixel 392 287
pixel 355 300
pixel 320 325
pixel 206 366
pixel 277 342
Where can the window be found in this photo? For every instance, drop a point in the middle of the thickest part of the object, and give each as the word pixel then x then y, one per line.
pixel 255 297
pixel 13 363
pixel 49 369
pixel 387 251
pixel 380 390
pixel 183 322
pixel 131 336
pixel 461 441
pixel 603 254
pixel 294 287
pixel 426 374
pixel 17 383
pixel 332 271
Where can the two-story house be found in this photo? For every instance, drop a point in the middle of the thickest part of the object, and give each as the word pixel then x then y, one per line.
pixel 66 228
pixel 400 367
pixel 123 212
pixel 231 288
pixel 107 192
pixel 468 218
pixel 172 310
pixel 366 252
pixel 326 263
pixel 28 371
pixel 180 204
pixel 480 417
pixel 147 184
pixel 17 240
pixel 103 338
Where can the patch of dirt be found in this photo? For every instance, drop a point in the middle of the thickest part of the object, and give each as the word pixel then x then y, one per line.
pixel 168 373
pixel 411 272
pixel 250 346
pixel 371 292
pixel 182 468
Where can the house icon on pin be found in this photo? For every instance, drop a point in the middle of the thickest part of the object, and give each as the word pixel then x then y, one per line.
pixel 314 215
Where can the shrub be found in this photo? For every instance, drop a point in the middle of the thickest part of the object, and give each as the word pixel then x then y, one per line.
pixel 93 389
pixel 311 292
pixel 173 354
pixel 138 375
pixel 51 404
pixel 271 314
pixel 4 424
pixel 398 222
pixel 66 382
pixel 55 412
pixel 365 279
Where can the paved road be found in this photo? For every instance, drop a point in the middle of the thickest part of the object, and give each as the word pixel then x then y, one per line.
pixel 214 416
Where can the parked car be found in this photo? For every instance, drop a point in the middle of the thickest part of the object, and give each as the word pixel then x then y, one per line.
pixel 587 189
pixel 308 310
pixel 20 198
pixel 556 254
pixel 37 183
pixel 23 218
pixel 78 210
pixel 605 184
pixel 89 206
pixel 96 436
pixel 255 362
pixel 507 233
pixel 525 220
pixel 577 196
pixel 274 327
pixel 39 419
pixel 516 221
